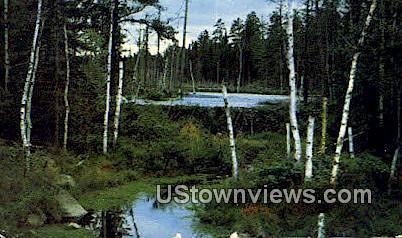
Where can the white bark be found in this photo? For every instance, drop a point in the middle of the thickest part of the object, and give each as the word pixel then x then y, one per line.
pixel 394 163
pixel 119 99
pixel 66 89
pixel 349 93
pixel 324 125
pixel 6 47
pixel 288 143
pixel 321 226
pixel 108 81
pixel 25 115
pixel 309 150
pixel 351 145
pixel 292 84
pixel 192 76
pixel 231 133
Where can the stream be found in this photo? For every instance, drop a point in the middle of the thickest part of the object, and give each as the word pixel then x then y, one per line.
pixel 145 218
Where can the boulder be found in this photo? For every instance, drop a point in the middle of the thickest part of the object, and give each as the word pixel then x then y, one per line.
pixel 65 181
pixel 69 205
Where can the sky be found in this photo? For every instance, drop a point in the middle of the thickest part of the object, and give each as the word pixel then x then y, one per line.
pixel 202 16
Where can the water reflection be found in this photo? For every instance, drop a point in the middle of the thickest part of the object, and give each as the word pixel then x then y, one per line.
pixel 146 218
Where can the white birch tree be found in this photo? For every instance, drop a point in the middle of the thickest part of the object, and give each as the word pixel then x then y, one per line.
pixel 231 133
pixel 321 226
pixel 192 76
pixel 119 99
pixel 324 120
pixel 309 150
pixel 108 80
pixel 351 145
pixel 24 115
pixel 66 89
pixel 292 83
pixel 349 93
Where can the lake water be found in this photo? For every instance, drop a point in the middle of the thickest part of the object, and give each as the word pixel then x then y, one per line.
pixel 237 100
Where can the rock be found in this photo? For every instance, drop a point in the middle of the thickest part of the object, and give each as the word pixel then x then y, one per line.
pixel 234 235
pixel 65 181
pixel 74 225
pixel 35 220
pixel 69 205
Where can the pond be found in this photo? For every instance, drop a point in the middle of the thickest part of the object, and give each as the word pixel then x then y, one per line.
pixel 211 100
pixel 146 218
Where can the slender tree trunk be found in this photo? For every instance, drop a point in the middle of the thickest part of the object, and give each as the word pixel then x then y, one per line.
pixel 66 89
pixel 321 226
pixel 351 145
pixel 324 126
pixel 292 83
pixel 108 80
pixel 119 99
pixel 31 86
pixel 231 133
pixel 192 76
pixel 6 47
pixel 25 115
pixel 309 150
pixel 349 92
pixel 183 53
pixel 240 67
pixel 172 68
pixel 288 142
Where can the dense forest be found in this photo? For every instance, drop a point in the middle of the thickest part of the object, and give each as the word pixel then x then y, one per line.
pixel 70 106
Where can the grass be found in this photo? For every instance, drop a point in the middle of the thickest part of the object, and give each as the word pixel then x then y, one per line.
pixel 119 196
pixel 61 231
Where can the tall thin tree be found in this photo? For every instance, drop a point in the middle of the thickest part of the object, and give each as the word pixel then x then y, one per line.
pixel 25 115
pixel 66 89
pixel 349 93
pixel 108 79
pixel 292 82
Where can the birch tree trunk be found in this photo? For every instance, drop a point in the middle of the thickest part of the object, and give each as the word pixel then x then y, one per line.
pixel 288 142
pixel 25 115
pixel 192 76
pixel 324 126
pixel 240 67
pixel 321 226
pixel 349 93
pixel 6 47
pixel 108 80
pixel 351 145
pixel 309 150
pixel 119 99
pixel 66 89
pixel 231 133
pixel 292 82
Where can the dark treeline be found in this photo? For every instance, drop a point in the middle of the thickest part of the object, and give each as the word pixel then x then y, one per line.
pixel 249 54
